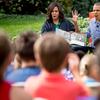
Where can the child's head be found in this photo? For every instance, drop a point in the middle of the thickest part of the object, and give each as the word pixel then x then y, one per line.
pixel 24 45
pixel 52 51
pixel 5 53
pixel 97 42
pixel 97 53
pixel 89 66
pixel 80 53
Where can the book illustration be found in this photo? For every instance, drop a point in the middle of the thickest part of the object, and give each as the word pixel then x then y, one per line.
pixel 72 37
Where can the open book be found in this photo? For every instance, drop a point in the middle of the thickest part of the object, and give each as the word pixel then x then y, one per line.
pixel 72 37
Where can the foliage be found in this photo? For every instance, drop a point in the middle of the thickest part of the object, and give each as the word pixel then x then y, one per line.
pixel 23 6
pixel 83 24
pixel 38 6
pixel 67 6
pixel 84 6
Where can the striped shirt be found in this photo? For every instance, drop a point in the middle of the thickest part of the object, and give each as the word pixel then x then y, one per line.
pixel 65 25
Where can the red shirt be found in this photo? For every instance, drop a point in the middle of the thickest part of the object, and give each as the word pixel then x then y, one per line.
pixel 4 90
pixel 56 87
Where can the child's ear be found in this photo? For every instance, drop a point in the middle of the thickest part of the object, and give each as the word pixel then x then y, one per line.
pixel 37 58
pixel 86 69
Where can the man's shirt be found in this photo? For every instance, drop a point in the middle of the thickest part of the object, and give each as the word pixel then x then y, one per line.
pixel 93 30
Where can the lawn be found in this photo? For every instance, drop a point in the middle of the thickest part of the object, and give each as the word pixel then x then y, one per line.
pixel 14 24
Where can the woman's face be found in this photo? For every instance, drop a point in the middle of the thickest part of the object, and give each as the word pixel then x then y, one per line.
pixel 55 13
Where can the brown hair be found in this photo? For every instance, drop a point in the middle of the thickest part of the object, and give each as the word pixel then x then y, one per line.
pixel 5 49
pixel 53 50
pixel 50 9
pixel 24 45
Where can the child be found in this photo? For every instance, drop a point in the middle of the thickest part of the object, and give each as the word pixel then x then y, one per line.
pixel 6 91
pixel 90 72
pixel 52 56
pixel 24 49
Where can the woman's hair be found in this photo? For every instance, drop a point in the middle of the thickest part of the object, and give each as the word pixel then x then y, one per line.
pixel 5 49
pixel 50 9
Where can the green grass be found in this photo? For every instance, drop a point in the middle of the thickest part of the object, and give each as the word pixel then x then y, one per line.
pixel 15 24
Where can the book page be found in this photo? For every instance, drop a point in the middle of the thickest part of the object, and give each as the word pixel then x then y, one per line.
pixel 72 37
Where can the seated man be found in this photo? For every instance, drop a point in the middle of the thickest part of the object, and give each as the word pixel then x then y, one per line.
pixel 94 25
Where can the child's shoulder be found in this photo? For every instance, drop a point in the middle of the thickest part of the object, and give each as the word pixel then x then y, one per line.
pixel 32 83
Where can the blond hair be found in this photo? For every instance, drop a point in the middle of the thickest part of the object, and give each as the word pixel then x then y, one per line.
pixel 87 63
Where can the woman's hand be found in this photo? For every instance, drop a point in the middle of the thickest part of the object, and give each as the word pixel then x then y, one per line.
pixel 75 16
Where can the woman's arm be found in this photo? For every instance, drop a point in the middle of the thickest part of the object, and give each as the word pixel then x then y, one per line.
pixel 75 20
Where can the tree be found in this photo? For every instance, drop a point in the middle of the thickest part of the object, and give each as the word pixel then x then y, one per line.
pixel 84 6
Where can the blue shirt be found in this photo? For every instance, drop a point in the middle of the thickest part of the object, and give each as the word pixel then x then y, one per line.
pixel 20 75
pixel 9 70
pixel 93 30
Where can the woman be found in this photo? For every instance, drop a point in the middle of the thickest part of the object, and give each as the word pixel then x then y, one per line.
pixel 55 19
